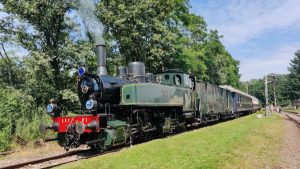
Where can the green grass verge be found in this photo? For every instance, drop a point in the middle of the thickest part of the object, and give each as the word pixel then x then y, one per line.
pixel 247 142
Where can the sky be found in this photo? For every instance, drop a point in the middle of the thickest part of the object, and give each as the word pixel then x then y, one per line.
pixel 262 34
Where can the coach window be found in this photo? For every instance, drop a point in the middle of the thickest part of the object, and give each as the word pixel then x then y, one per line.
pixel 167 77
pixel 192 82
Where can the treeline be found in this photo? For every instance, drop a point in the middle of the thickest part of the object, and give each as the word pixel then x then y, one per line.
pixel 287 87
pixel 163 34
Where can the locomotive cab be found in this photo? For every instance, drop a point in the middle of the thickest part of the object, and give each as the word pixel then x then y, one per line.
pixel 176 78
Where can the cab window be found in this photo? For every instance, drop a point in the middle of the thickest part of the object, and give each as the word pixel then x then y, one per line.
pixel 177 80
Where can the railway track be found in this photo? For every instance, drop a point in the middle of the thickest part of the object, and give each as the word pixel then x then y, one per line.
pixel 295 117
pixel 6 153
pixel 57 160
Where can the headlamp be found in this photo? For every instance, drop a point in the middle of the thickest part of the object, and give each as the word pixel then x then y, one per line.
pixel 81 71
pixel 89 104
pixel 50 108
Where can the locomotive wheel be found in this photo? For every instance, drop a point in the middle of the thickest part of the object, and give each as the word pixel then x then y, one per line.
pixel 149 136
pixel 96 147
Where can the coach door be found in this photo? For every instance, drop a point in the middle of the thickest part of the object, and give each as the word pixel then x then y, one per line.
pixel 235 101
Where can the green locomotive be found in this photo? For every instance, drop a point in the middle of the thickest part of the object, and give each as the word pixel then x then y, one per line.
pixel 135 106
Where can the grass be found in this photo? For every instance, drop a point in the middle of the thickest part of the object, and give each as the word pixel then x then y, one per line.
pixel 247 142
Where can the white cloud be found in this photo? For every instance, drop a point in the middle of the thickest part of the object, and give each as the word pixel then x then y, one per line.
pixel 242 20
pixel 273 62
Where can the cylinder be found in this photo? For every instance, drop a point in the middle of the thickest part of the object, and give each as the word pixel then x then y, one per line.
pixel 137 71
pixel 93 125
pixel 101 59
pixel 122 71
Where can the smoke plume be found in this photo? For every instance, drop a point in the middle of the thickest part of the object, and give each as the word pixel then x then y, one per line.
pixel 87 10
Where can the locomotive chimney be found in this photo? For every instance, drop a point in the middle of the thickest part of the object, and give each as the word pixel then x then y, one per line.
pixel 101 59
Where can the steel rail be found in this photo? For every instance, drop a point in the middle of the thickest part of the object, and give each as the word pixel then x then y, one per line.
pixel 57 157
pixel 38 161
pixel 82 158
pixel 6 153
pixel 291 116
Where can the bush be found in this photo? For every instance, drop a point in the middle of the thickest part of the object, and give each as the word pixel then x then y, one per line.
pixel 260 111
pixel 29 129
pixel 19 116
pixel 5 138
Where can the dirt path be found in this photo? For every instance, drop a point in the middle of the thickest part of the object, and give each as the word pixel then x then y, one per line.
pixel 290 154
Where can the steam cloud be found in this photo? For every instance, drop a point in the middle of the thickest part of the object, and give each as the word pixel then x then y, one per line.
pixel 87 10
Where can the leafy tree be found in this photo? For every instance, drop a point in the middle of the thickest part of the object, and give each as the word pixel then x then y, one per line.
pixel 164 34
pixel 222 68
pixel 281 90
pixel 139 31
pixel 244 86
pixel 15 67
pixel 257 89
pixel 47 30
pixel 294 77
pixel 16 106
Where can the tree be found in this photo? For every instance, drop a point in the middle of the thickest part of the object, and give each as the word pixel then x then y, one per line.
pixel 281 90
pixel 47 31
pixel 139 31
pixel 244 87
pixel 16 106
pixel 164 35
pixel 257 89
pixel 294 77
pixel 222 68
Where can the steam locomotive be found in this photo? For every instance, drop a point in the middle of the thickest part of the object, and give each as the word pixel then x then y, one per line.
pixel 136 106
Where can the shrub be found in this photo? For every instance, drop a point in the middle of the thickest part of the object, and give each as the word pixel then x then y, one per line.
pixel 19 116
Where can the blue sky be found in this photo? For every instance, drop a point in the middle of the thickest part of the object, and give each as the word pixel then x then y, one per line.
pixel 262 34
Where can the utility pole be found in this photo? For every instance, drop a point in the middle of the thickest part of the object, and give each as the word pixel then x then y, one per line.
pixel 266 90
pixel 273 76
pixel 266 96
pixel 274 92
